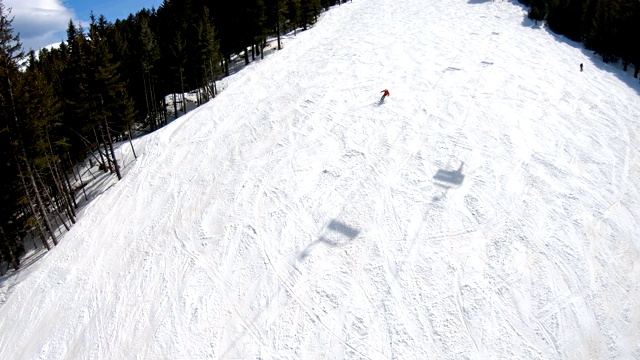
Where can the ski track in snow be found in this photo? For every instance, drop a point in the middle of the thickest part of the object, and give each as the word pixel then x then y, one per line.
pixel 487 209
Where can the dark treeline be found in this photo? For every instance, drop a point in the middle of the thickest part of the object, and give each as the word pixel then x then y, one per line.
pixel 65 104
pixel 608 27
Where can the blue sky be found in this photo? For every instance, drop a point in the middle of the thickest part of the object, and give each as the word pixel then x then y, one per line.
pixel 44 22
pixel 112 10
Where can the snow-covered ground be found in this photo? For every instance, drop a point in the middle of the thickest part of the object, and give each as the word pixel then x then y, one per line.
pixel 488 209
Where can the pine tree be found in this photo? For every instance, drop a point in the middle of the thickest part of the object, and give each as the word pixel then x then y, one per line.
pixel 208 53
pixel 293 12
pixel 626 28
pixel 75 92
pixel 602 33
pixel 309 11
pixel 12 125
pixel 631 36
pixel 259 28
pixel 41 112
pixel 11 247
pixel 150 53
pixel 538 11
pixel 107 90
pixel 276 17
pixel 179 59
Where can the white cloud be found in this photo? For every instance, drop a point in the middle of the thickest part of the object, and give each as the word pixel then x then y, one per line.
pixel 39 22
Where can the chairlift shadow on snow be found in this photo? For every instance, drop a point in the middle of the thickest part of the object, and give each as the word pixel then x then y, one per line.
pixel 447 179
pixel 335 234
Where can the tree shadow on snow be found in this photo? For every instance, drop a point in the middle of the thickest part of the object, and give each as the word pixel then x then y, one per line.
pixel 31 259
pixel 478 1
pixel 614 68
pixel 335 234
pixel 34 251
pixel 526 22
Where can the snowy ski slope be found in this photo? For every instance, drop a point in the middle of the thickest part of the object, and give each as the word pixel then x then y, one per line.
pixel 488 209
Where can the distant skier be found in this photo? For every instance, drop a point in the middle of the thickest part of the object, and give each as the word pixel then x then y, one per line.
pixel 385 93
pixel 580 66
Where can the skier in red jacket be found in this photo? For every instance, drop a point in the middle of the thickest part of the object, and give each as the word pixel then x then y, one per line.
pixel 385 93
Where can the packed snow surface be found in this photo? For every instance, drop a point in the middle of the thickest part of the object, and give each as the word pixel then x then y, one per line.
pixel 488 209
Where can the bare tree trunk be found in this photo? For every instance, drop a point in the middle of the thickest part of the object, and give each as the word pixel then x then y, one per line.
pixel 110 143
pixel 146 99
pixel 204 90
pixel 184 103
pixel 225 68
pixel 56 174
pixel 57 206
pixel 104 165
pixel 109 164
pixel 33 209
pixel 213 78
pixel 70 188
pixel 175 107
pixel 131 143
pixel 264 45
pixel 198 94
pixel 278 30
pixel 54 201
pixel 67 194
pixel 278 23
pixel 13 259
pixel 154 106
pixel 72 166
pixel 65 202
pixel 89 145
pixel 164 109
